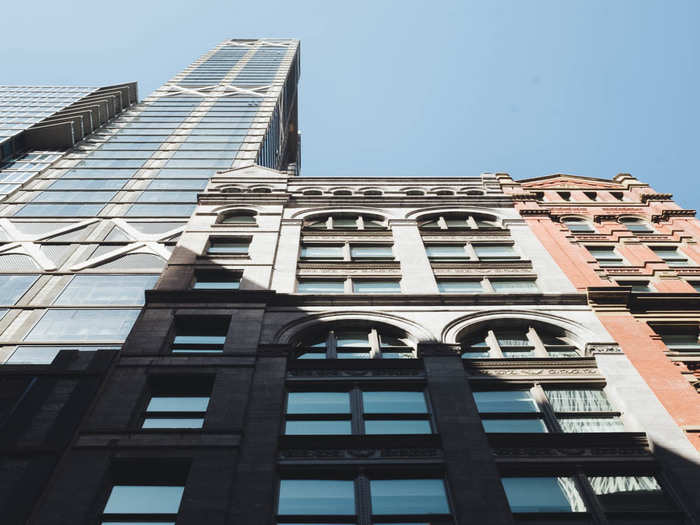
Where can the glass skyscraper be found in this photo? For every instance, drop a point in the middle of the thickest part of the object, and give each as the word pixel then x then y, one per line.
pixel 86 236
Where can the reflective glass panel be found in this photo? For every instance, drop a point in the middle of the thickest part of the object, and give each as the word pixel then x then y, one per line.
pixel 106 290
pixel 182 422
pixel 12 287
pixel 318 403
pixel 134 499
pixel 310 496
pixel 83 325
pixel 543 495
pixel 297 428
pixel 630 493
pixel 408 496
pixel 376 286
pixel 514 425
pixel 505 401
pixel 383 402
pixel 322 252
pixel 451 286
pixel 397 426
pixel 178 404
pixel 321 286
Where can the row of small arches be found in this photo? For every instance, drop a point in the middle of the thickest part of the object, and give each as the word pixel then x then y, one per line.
pixel 369 192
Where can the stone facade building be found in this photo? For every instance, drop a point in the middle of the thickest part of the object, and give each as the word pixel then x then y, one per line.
pixel 328 350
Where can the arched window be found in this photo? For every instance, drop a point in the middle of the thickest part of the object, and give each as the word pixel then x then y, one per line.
pixel 636 225
pixel 576 224
pixel 342 192
pixel 342 221
pixel 312 192
pixel 518 338
pixel 238 217
pixel 261 190
pixel 356 342
pixel 457 221
pixel 415 192
pixel 472 192
pixel 231 189
pixel 444 192
pixel 372 193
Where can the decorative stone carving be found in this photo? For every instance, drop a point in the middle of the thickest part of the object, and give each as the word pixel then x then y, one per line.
pixel 534 372
pixel 603 348
pixel 570 452
pixel 332 372
pixel 362 454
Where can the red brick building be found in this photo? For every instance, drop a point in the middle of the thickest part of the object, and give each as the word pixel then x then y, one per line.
pixel 636 253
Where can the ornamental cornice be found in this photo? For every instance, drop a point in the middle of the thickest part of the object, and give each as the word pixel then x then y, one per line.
pixel 366 271
pixel 536 212
pixel 656 197
pixel 483 265
pixel 536 372
pixel 667 214
pixel 602 348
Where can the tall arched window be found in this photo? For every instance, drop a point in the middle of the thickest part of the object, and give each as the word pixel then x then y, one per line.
pixel 577 224
pixel 246 217
pixel 356 342
pixel 458 221
pixel 518 338
pixel 636 225
pixel 342 221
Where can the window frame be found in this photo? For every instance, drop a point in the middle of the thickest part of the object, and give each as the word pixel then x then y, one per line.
pixel 546 413
pixel 374 348
pixel 357 415
pixel 213 240
pixel 534 335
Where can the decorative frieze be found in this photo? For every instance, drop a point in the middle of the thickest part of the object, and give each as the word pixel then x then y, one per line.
pixel 602 348
pixel 362 454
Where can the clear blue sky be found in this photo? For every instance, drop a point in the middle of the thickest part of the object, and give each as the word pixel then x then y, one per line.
pixel 420 88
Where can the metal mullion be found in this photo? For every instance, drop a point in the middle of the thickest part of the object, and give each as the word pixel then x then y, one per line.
pixel 548 414
pixel 404 416
pixel 331 349
pixel 593 506
pixel 356 410
pixel 363 500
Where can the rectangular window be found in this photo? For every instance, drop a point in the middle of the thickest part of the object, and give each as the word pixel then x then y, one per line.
pixel 311 251
pixel 160 210
pixel 459 286
pixel 200 335
pixel 695 285
pixel 495 252
pixel 321 286
pixel 509 411
pixel 130 502
pixel 106 290
pixel 543 494
pixel 13 287
pixel 606 255
pixel 387 499
pixel 514 286
pixel 630 494
pixel 219 246
pixel 408 496
pixel 367 412
pixel 216 280
pixel 584 410
pixel 446 252
pixel 316 497
pixel 371 252
pixel 84 325
pixel 670 255
pixel 176 412
pixel 59 210
pixel 681 338
pixel 637 286
pixel 375 286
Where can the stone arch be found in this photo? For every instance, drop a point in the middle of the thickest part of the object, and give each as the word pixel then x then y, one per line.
pixel 329 210
pixel 290 331
pixel 456 329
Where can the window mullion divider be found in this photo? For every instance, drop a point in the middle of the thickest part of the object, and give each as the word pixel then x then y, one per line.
pixel 442 223
pixel 550 418
pixel 470 251
pixel 534 338
pixel 331 349
pixel 589 499
pixel 347 256
pixel 494 347
pixel 357 414
pixel 375 352
pixel 363 500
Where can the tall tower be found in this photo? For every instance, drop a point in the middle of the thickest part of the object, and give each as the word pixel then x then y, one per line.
pixel 86 236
